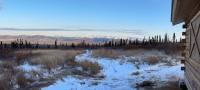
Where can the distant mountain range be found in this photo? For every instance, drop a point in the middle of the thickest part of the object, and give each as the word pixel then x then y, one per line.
pixel 50 39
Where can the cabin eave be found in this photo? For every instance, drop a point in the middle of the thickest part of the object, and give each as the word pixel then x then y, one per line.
pixel 184 10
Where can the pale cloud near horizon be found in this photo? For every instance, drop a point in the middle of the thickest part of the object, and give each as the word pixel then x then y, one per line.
pixel 77 33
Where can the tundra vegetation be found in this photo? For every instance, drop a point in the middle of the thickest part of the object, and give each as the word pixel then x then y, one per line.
pixel 24 65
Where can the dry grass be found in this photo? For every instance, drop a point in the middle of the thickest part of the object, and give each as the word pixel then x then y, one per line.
pixel 7 72
pixel 152 60
pixel 115 53
pixel 22 55
pixel 21 80
pixel 9 65
pixel 48 61
pixel 4 85
pixel 110 53
pixel 71 62
pixel 6 53
pixel 70 54
pixel 91 67
pixel 52 58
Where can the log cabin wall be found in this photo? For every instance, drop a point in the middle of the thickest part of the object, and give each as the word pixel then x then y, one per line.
pixel 188 12
pixel 192 53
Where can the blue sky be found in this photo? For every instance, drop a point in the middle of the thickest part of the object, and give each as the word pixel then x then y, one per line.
pixel 145 16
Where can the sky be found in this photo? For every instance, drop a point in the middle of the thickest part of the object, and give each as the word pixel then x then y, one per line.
pixel 87 18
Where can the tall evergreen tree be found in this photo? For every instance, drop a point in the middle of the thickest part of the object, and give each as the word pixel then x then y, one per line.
pixel 56 46
pixel 174 38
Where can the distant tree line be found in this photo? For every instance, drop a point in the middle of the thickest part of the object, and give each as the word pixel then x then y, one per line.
pixel 151 42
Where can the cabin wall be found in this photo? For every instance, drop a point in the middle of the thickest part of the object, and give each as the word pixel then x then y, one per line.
pixel 192 54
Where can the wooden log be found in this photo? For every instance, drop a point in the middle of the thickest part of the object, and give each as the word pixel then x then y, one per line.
pixel 184 47
pixel 184 33
pixel 183 54
pixel 192 73
pixel 183 41
pixel 182 61
pixel 192 82
pixel 184 26
pixel 187 82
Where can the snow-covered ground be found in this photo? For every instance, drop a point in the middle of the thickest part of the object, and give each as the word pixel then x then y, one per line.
pixel 119 73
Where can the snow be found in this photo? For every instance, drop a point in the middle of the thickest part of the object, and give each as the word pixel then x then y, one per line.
pixel 118 74
pixel 27 67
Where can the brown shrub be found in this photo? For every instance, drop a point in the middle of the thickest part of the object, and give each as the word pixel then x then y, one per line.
pixel 4 85
pixel 6 82
pixel 49 61
pixel 109 53
pixel 6 53
pixel 7 65
pixel 23 55
pixel 71 62
pixel 92 68
pixel 53 58
pixel 68 54
pixel 152 60
pixel 21 80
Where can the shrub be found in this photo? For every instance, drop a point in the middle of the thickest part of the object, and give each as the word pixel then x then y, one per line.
pixel 21 80
pixel 4 85
pixel 92 68
pixel 6 53
pixel 9 65
pixel 109 53
pixel 136 73
pixel 22 55
pixel 48 61
pixel 6 82
pixel 53 58
pixel 152 60
pixel 71 62
pixel 145 84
